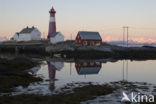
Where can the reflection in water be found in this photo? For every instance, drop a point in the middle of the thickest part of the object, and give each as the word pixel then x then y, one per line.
pixel 52 67
pixel 121 71
pixel 125 70
pixel 70 68
pixel 86 68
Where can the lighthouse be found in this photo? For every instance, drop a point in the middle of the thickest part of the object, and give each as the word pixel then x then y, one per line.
pixel 52 23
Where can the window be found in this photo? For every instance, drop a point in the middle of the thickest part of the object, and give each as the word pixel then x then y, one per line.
pixel 98 43
pixel 78 37
pixel 92 63
pixel 79 41
pixel 85 43
pixel 84 64
pixel 98 63
pixel 92 43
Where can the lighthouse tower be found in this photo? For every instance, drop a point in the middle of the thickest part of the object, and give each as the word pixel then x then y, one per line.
pixel 52 23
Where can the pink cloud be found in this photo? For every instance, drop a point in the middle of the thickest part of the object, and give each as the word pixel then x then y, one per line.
pixel 109 38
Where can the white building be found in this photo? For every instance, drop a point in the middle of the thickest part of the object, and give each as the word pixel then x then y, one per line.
pixel 56 37
pixel 28 34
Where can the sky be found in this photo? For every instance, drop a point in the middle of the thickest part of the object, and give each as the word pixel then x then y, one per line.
pixel 105 16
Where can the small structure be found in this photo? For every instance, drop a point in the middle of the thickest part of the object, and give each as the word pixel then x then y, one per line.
pixel 86 38
pixel 27 34
pixel 56 38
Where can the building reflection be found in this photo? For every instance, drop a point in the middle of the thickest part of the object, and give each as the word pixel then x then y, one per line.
pixel 88 67
pixel 52 68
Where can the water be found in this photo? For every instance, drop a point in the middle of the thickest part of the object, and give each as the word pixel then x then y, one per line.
pixel 56 75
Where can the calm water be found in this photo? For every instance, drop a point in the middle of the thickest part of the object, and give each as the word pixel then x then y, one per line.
pixel 58 74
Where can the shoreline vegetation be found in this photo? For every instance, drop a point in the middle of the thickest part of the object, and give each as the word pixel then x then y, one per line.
pixel 68 49
pixel 12 73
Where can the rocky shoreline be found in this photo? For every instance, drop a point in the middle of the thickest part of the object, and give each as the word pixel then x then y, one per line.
pixel 86 93
pixel 13 74
pixel 68 49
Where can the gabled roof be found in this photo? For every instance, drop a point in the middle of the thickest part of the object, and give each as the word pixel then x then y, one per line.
pixel 85 35
pixel 27 30
pixel 89 70
pixel 55 34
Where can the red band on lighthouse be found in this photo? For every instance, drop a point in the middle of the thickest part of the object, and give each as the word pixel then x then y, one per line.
pixel 52 23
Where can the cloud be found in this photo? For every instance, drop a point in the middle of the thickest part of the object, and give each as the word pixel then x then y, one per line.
pixel 109 39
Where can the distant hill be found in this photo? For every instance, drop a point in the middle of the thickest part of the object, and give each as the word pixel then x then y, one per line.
pixel 3 39
pixel 130 42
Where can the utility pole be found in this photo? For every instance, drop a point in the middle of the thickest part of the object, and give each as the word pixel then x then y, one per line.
pixel 125 29
pixel 127 35
pixel 123 36
pixel 71 36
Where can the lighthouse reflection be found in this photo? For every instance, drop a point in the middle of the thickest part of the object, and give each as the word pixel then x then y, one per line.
pixel 52 68
pixel 88 67
pixel 82 68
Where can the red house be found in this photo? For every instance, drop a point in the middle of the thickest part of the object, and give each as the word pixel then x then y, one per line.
pixel 85 38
